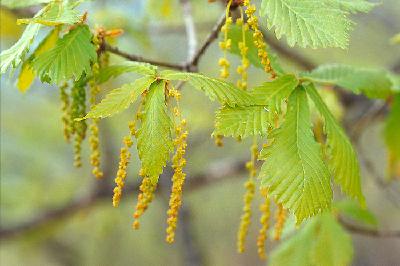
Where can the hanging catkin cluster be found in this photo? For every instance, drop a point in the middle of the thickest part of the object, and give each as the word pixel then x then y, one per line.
pixel 78 110
pixel 178 162
pixel 145 197
pixel 66 114
pixel 225 45
pixel 242 69
pixel 264 221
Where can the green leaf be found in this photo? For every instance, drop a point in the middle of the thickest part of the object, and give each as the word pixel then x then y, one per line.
pixel 355 6
pixel 55 13
pixel 313 23
pixel 27 74
pixel 224 92
pixel 293 169
pixel 70 58
pixel 374 83
pixel 20 4
pixel 242 121
pixel 392 133
pixel 13 56
pixel 351 209
pixel 235 34
pixel 126 67
pixel 343 161
pixel 321 242
pixel 155 134
pixel 332 245
pixel 120 99
pixel 272 93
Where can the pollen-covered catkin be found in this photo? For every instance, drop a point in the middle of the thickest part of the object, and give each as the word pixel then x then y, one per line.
pixel 178 179
pixel 145 197
pixel 280 218
pixel 242 69
pixel 65 108
pixel 264 221
pixel 247 199
pixel 225 45
pixel 78 110
pixel 258 37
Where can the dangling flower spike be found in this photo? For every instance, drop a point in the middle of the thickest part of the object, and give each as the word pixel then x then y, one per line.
pixel 225 45
pixel 264 221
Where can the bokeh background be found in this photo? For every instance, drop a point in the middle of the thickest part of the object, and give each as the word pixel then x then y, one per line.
pixel 38 179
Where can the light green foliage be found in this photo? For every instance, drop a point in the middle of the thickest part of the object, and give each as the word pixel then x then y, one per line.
pixel 120 99
pixel 392 129
pixel 224 92
pixel 22 3
pixel 374 83
pixel 352 210
pixel 55 13
pixel 125 67
pixel 311 23
pixel 342 159
pixel 273 93
pixel 70 58
pixel 235 35
pixel 242 121
pixel 293 169
pixel 355 6
pixel 321 242
pixel 155 134
pixel 13 56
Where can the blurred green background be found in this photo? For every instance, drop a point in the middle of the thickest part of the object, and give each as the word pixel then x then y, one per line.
pixel 36 164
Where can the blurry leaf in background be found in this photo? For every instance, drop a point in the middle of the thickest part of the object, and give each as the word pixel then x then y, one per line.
pixel 8 27
pixel 235 34
pixel 56 13
pixel 27 74
pixel 395 39
pixel 321 242
pixel 70 58
pixel 114 71
pixel 374 83
pixel 392 137
pixel 154 137
pixel 355 6
pixel 120 99
pixel 22 3
pixel 352 210
pixel 13 56
pixel 294 160
pixel 342 160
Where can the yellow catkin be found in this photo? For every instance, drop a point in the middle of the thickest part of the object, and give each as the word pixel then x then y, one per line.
pixel 78 109
pixel 119 180
pixel 65 108
pixel 225 45
pixel 248 197
pixel 280 218
pixel 258 37
pixel 264 221
pixel 178 179
pixel 145 197
pixel 94 129
pixel 242 69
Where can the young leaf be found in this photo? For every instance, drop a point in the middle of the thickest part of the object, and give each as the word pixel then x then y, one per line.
pixel 13 56
pixel 56 13
pixel 120 99
pixel 126 67
pixel 27 74
pixel 313 23
pixel 224 92
pixel 342 160
pixel 392 133
pixel 321 242
pixel 154 138
pixel 293 169
pixel 272 93
pixel 70 58
pixel 374 83
pixel 332 245
pixel 242 121
pixel 352 210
